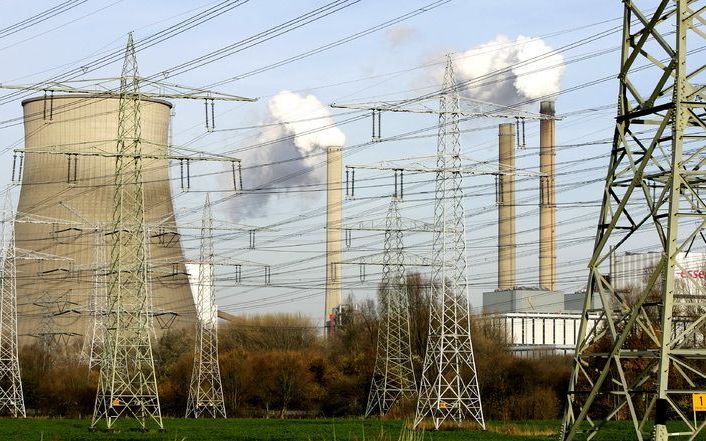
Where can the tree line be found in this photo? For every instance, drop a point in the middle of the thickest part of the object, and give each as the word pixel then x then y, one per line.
pixel 282 365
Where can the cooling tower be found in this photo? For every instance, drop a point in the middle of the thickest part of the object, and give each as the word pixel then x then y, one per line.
pixel 65 207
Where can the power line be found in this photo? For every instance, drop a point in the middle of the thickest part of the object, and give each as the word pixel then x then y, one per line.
pixel 40 17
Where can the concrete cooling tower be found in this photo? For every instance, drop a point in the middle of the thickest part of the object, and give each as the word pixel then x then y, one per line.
pixel 64 212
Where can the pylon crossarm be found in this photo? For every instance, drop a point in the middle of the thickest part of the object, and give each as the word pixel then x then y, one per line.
pixel 476 169
pixel 430 105
pixel 37 219
pixel 22 254
pixel 178 92
pixel 217 261
pixel 405 224
pixel 227 227
pixel 410 259
pixel 94 152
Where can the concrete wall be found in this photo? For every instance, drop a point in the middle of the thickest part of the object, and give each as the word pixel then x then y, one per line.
pixel 532 334
pixel 64 199
pixel 573 302
pixel 522 300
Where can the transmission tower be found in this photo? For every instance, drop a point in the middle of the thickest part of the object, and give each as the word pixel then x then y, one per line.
pixel 206 392
pixel 449 386
pixel 638 364
pixel 93 339
pixel 393 377
pixel 54 306
pixel 11 396
pixel 127 383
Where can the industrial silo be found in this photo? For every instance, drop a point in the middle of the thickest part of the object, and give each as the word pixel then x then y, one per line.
pixel 64 211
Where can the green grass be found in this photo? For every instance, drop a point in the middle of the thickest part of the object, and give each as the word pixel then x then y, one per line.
pixel 40 429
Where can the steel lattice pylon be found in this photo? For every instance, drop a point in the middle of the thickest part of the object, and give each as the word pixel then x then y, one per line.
pixel 449 385
pixel 11 396
pixel 206 391
pixel 393 377
pixel 127 383
pixel 638 364
pixel 93 339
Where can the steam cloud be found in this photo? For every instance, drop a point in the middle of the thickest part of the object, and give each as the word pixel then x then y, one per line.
pixel 306 129
pixel 532 79
pixel 400 34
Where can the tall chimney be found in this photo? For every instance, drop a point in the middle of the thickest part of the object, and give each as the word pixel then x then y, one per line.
pixel 334 203
pixel 547 198
pixel 506 207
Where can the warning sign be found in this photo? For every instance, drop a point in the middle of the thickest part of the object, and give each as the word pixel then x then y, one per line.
pixel 699 402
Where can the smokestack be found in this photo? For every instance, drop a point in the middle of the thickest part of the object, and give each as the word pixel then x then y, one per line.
pixel 334 203
pixel 547 198
pixel 506 207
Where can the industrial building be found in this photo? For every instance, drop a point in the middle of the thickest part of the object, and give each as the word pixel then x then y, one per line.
pixel 630 270
pixel 533 319
pixel 67 170
pixel 542 320
pixel 537 322
pixel 530 334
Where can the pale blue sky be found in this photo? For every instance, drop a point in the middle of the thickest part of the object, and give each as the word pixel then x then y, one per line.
pixel 33 55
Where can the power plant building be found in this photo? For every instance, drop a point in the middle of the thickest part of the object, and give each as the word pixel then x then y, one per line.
pixel 534 320
pixel 631 270
pixel 530 334
pixel 64 214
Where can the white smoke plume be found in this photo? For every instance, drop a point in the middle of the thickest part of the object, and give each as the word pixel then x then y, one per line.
pixel 294 137
pixel 529 70
pixel 400 34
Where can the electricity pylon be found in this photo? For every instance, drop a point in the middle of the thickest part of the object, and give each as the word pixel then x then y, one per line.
pixel 93 339
pixel 449 384
pixel 11 396
pixel 128 382
pixel 393 377
pixel 638 365
pixel 206 392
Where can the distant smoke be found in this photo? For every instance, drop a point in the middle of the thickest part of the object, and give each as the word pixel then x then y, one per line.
pixel 400 34
pixel 532 79
pixel 307 129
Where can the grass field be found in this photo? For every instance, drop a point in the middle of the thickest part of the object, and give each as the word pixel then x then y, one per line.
pixel 264 430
